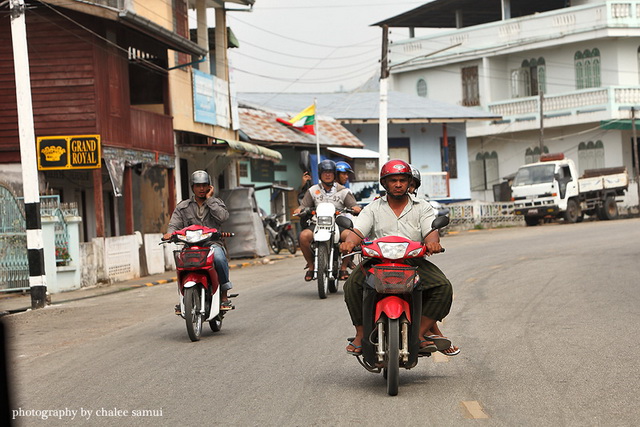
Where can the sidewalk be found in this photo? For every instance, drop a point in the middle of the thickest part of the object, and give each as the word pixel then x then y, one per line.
pixel 15 302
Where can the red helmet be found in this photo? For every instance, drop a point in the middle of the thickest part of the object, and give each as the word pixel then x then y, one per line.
pixel 395 167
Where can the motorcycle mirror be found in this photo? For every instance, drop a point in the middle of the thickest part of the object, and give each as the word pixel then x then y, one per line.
pixel 440 222
pixel 344 222
pixel 305 161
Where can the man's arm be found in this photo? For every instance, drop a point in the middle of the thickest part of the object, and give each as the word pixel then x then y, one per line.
pixel 307 202
pixel 175 223
pixel 431 241
pixel 218 209
pixel 351 203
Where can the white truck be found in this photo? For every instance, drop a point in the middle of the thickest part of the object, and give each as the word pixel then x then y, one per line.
pixel 551 189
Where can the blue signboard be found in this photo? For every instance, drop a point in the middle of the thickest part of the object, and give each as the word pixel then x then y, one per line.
pixel 204 104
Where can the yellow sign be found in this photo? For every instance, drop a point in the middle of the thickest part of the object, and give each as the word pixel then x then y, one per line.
pixel 69 152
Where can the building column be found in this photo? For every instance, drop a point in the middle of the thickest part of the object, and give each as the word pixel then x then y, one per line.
pixel 203 34
pixel 98 201
pixel 127 193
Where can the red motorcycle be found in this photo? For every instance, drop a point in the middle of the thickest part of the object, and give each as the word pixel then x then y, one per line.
pixel 198 283
pixel 392 304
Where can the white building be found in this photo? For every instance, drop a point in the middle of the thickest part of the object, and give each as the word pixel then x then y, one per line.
pixel 500 56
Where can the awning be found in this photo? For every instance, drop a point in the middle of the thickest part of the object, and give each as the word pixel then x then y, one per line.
pixel 354 153
pixel 618 124
pixel 253 151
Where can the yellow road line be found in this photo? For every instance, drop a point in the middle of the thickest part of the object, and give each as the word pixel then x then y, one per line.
pixel 473 410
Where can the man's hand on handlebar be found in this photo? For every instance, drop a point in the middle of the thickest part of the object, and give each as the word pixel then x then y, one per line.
pixel 433 248
pixel 347 247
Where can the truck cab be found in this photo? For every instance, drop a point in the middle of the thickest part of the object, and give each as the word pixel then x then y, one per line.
pixel 547 189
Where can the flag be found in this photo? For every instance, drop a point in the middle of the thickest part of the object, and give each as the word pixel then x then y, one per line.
pixel 305 120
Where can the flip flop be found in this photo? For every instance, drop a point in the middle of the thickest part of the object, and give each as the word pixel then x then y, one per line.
pixel 441 342
pixel 355 347
pixel 226 306
pixel 308 276
pixel 453 353
pixel 431 348
pixel 343 275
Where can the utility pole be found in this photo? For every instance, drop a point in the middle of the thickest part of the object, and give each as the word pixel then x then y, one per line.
pixel 635 152
pixel 541 124
pixel 28 159
pixel 383 143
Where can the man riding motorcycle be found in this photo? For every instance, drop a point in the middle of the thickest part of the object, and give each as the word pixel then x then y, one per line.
pixel 399 213
pixel 209 211
pixel 327 190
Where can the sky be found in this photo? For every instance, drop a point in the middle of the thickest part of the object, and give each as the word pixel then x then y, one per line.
pixel 310 45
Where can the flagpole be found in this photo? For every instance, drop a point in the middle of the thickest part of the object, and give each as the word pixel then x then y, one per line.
pixel 315 125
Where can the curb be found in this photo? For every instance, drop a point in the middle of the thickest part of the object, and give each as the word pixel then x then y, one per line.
pixel 262 261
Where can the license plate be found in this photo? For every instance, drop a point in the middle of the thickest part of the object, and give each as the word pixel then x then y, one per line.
pixel 532 211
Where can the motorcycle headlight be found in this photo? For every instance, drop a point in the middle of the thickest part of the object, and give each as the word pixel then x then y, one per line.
pixel 194 236
pixel 325 220
pixel 370 252
pixel 393 250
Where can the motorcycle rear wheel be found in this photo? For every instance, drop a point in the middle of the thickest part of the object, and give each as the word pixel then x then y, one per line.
pixel 393 356
pixel 192 313
pixel 216 323
pixel 323 265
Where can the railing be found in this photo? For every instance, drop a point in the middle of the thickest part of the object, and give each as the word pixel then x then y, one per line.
pixel 466 215
pixel 495 35
pixel 151 131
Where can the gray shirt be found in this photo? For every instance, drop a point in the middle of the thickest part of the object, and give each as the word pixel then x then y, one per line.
pixel 339 195
pixel 377 219
pixel 212 214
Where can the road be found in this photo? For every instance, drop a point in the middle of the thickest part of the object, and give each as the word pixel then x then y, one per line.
pixel 546 318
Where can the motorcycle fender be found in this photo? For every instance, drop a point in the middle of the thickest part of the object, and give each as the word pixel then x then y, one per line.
pixel 393 307
pixel 191 279
pixel 322 235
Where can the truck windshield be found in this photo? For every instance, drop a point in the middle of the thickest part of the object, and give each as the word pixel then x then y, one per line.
pixel 534 175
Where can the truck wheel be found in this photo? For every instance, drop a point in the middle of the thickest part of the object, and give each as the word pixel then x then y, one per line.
pixel 572 213
pixel 531 220
pixel 610 208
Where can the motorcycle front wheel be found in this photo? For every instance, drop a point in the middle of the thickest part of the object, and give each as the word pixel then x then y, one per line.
pixel 273 244
pixel 392 370
pixel 192 312
pixel 290 243
pixel 323 265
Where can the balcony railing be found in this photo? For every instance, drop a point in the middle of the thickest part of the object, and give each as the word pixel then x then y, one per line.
pixel 579 20
pixel 151 131
pixel 587 100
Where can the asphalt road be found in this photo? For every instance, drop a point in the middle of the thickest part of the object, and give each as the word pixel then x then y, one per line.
pixel 546 318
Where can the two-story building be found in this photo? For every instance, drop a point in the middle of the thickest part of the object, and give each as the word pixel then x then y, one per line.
pixel 564 76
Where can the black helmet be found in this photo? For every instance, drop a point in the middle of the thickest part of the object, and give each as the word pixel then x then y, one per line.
pixel 326 166
pixel 200 177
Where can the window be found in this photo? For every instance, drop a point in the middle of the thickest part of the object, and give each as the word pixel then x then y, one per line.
pixel 470 86
pixel 243 170
pixel 399 148
pixel 587 66
pixel 530 79
pixel 421 88
pixel 590 156
pixel 532 155
pixel 448 157
pixel 484 171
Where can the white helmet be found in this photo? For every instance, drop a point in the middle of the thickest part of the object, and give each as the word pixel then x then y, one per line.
pixel 200 177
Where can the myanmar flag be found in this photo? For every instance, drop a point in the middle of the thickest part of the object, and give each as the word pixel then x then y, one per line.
pixel 305 120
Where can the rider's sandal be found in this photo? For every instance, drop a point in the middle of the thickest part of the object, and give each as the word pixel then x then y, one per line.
pixel 431 348
pixel 343 275
pixel 355 348
pixel 226 306
pixel 441 342
pixel 455 352
pixel 308 276
pixel 177 310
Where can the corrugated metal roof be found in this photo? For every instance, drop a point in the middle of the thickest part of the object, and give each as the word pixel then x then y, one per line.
pixel 260 126
pixel 365 106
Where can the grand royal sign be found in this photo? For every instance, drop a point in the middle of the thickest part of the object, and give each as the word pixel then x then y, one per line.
pixel 69 152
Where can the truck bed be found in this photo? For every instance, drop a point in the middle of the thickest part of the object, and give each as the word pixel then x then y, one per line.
pixel 603 179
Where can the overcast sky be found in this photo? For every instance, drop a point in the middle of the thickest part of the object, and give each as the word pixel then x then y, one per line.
pixel 310 45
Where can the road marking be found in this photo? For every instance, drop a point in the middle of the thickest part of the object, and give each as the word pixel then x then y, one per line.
pixel 471 279
pixel 473 410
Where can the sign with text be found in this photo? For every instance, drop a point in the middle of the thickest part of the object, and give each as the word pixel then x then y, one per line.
pixel 68 152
